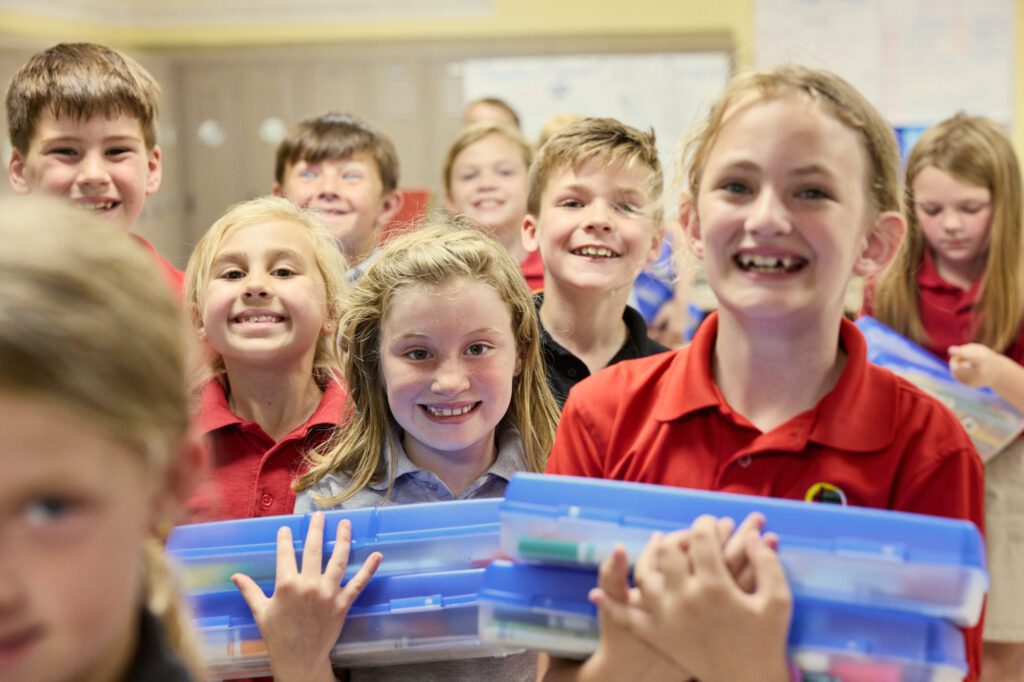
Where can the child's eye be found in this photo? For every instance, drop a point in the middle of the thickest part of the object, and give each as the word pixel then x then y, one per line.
pixel 570 203
pixel 48 509
pixel 477 348
pixel 971 209
pixel 735 187
pixel 929 210
pixel 234 273
pixel 63 151
pixel 118 151
pixel 353 176
pixel 629 207
pixel 417 354
pixel 308 174
pixel 813 193
pixel 282 272
pixel 466 177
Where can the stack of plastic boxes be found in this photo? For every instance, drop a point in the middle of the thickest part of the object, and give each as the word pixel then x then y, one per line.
pixel 878 595
pixel 421 605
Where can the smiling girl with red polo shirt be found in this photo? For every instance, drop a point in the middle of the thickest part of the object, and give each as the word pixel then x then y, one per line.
pixel 792 187
pixel 263 288
pixel 957 287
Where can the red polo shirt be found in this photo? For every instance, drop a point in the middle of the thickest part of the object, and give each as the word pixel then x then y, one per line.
pixel 251 474
pixel 174 277
pixel 947 313
pixel 874 440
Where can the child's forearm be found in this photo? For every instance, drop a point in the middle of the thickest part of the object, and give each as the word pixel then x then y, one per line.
pixel 1008 382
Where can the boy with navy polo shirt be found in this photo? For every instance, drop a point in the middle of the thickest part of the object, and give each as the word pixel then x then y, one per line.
pixel 593 215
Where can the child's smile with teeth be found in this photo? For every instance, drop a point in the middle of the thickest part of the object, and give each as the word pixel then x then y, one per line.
pixel 449 411
pixel 595 252
pixel 769 264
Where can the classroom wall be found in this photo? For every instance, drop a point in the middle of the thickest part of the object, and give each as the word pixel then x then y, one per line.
pixel 396 73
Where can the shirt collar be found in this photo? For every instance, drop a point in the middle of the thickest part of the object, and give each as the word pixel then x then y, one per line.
pixel 215 411
pixel 510 457
pixel 928 277
pixel 858 414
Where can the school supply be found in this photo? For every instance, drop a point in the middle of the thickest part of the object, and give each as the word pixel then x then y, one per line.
pixel 991 422
pixel 891 560
pixel 414 538
pixel 546 608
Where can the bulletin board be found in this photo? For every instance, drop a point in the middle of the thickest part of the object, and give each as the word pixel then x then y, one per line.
pixel 918 61
pixel 664 91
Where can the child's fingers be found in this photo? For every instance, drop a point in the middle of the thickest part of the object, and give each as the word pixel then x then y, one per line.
pixel 285 553
pixel 338 562
pixel 313 549
pixel 354 587
pixel 726 527
pixel 251 593
pixel 706 555
pixel 613 575
pixel 735 554
pixel 768 572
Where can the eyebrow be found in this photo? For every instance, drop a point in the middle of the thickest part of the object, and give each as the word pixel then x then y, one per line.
pixel 421 335
pixel 274 255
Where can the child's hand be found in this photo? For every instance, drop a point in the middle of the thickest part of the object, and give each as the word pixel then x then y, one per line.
pixel 622 654
pixel 975 365
pixel 303 620
pixel 694 611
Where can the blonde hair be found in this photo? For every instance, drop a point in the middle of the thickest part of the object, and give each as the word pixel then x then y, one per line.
pixel 976 151
pixel 473 134
pixel 833 94
pixel 329 261
pixel 610 141
pixel 555 124
pixel 439 252
pixel 89 325
pixel 334 136
pixel 80 80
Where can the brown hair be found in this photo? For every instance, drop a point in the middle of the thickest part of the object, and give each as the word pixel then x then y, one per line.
pixel 88 324
pixel 80 80
pixel 472 135
pixel 840 99
pixel 976 151
pixel 606 139
pixel 441 251
pixel 499 104
pixel 337 136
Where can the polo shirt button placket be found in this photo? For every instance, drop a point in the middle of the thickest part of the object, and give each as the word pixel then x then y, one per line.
pixel 266 500
pixel 744 461
pixel 571 372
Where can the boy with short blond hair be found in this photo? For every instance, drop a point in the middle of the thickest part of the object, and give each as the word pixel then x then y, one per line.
pixel 347 170
pixel 82 121
pixel 594 214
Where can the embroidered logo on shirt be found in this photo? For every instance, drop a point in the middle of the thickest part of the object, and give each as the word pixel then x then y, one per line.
pixel 826 493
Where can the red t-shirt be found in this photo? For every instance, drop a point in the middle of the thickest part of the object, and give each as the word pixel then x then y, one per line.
pixel 874 440
pixel 174 277
pixel 251 475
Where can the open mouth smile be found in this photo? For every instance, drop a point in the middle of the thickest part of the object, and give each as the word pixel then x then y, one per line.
pixel 449 411
pixel 769 265
pixel 594 252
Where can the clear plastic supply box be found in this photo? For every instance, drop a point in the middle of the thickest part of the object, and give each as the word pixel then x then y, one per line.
pixel 396 620
pixel 893 560
pixel 414 538
pixel 546 608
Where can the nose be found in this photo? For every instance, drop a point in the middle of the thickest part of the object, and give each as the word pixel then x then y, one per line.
pixel 599 216
pixel 12 596
pixel 951 220
pixel 768 215
pixel 93 170
pixel 450 378
pixel 256 287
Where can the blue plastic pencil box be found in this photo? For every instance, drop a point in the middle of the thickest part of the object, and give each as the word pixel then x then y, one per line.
pixel 396 620
pixel 546 608
pixel 990 421
pixel 413 538
pixel 899 561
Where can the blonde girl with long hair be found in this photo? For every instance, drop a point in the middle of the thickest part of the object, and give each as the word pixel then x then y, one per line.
pixel 957 287
pixel 447 399
pixel 263 289
pixel 96 452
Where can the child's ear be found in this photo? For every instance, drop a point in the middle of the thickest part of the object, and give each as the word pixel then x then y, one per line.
pixel 277 190
pixel 390 205
pixel 881 244
pixel 154 168
pixel 529 233
pixel 657 239
pixel 16 173
pixel 690 222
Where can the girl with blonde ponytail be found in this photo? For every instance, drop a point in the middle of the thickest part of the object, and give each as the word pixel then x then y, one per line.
pixel 96 452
